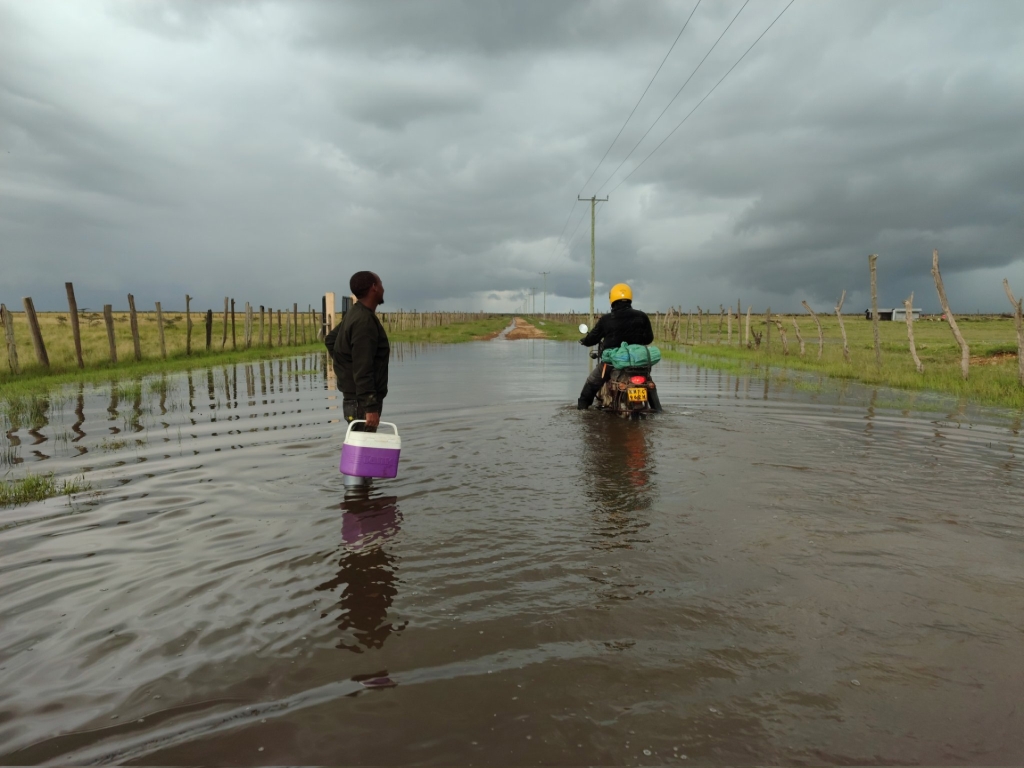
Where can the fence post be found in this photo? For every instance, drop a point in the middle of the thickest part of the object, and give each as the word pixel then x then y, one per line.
pixel 234 338
pixel 799 337
pixel 188 325
pixel 37 336
pixel 73 309
pixel 224 338
pixel 279 327
pixel 842 328
pixel 288 327
pixel 270 327
pixel 746 334
pixel 295 321
pixel 262 310
pixel 817 322
pixel 1018 311
pixel 729 339
pixel 209 328
pixel 700 324
pixel 721 317
pixel 247 333
pixel 108 320
pixel 908 306
pixel 965 352
pixel 160 327
pixel 874 308
pixel 12 348
pixel 133 315
pixel 782 333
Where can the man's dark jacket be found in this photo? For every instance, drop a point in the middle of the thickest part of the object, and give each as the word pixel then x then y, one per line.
pixel 622 324
pixel 360 350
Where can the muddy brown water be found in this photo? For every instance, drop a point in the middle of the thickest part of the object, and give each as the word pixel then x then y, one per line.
pixel 763 574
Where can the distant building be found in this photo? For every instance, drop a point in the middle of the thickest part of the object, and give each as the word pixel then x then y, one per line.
pixel 899 314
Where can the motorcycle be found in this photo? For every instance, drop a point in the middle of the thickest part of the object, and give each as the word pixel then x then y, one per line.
pixel 628 392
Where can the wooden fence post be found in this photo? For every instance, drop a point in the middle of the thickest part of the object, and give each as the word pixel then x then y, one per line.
pixel 73 309
pixel 262 310
pixel 108 320
pixel 799 337
pixel 295 321
pixel 817 322
pixel 729 339
pixel 188 325
pixel 247 332
pixel 739 315
pixel 224 338
pixel 288 327
pixel 700 323
pixel 874 308
pixel 1018 319
pixel 160 328
pixel 134 317
pixel 965 352
pixel 209 328
pixel 12 348
pixel 782 333
pixel 270 327
pixel 37 337
pixel 721 318
pixel 279 327
pixel 234 338
pixel 908 305
pixel 842 328
pixel 746 332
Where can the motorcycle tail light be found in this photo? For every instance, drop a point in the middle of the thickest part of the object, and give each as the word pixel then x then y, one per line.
pixel 637 379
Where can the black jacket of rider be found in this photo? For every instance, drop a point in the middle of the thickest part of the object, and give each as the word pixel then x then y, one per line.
pixel 622 324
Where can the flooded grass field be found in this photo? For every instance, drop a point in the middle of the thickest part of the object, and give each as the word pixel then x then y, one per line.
pixel 763 574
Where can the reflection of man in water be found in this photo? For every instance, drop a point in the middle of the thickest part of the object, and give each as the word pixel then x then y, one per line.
pixel 366 572
pixel 617 475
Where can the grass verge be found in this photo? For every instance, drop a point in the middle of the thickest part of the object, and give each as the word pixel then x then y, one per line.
pixel 38 487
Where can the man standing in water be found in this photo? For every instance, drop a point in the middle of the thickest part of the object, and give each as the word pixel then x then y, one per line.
pixel 359 350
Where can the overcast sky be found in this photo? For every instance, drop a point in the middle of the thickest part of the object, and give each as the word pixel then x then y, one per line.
pixel 267 150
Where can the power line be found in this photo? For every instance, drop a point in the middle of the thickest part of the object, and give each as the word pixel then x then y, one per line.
pixel 705 95
pixel 617 135
pixel 672 100
pixel 671 48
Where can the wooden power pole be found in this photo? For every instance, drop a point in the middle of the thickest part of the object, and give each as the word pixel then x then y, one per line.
pixel 593 206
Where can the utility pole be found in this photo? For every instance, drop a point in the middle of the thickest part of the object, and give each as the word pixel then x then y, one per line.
pixel 533 300
pixel 593 206
pixel 546 293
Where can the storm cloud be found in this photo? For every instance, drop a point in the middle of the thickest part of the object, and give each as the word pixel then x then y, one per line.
pixel 266 150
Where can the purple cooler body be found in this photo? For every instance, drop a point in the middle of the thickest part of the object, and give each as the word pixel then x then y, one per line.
pixel 370 454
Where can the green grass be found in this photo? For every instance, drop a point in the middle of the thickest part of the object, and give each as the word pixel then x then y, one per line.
pixel 988 384
pixel 472 330
pixel 555 330
pixel 38 487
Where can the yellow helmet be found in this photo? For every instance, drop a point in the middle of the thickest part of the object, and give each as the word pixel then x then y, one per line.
pixel 620 291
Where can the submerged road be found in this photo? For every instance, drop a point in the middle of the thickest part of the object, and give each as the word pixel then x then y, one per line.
pixel 764 574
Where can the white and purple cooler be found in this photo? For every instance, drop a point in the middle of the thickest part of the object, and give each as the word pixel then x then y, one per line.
pixel 370 454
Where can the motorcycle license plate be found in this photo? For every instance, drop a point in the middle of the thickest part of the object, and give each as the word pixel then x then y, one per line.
pixel 637 394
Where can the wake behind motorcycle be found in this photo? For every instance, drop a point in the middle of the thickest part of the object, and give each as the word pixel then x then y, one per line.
pixel 629 391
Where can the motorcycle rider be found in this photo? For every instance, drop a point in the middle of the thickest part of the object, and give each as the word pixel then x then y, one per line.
pixel 622 324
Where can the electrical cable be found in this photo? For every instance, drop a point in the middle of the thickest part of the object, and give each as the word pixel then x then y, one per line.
pixel 671 48
pixel 679 124
pixel 617 135
pixel 672 100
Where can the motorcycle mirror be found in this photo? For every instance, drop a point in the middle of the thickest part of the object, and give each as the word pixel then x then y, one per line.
pixel 583 328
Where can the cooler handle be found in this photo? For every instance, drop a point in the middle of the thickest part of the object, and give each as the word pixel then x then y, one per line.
pixel 363 421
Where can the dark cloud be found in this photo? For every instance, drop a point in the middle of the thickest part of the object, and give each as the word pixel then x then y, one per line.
pixel 267 150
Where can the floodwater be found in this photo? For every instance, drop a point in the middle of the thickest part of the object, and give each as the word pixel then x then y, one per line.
pixel 763 574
